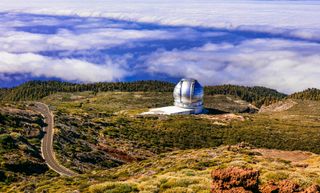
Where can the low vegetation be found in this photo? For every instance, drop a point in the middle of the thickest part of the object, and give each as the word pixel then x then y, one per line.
pixel 20 135
pixel 96 131
pixel 185 171
pixel 102 136
pixel 35 90
pixel 309 94
pixel 256 95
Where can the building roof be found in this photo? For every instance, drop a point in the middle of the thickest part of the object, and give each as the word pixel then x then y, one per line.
pixel 170 110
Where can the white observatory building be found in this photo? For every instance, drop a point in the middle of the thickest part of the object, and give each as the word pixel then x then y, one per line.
pixel 188 99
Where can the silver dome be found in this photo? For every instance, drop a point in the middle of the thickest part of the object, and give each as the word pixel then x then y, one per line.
pixel 188 93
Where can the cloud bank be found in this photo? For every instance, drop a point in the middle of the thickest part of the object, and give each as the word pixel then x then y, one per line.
pixel 298 17
pixel 287 66
pixel 267 43
pixel 66 69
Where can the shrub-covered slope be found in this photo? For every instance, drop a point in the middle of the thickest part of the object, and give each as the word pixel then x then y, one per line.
pixel 104 130
pixel 102 136
pixel 20 135
pixel 35 90
pixel 186 171
pixel 309 94
pixel 256 95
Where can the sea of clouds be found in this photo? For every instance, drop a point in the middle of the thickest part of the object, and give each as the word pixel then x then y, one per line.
pixel 267 43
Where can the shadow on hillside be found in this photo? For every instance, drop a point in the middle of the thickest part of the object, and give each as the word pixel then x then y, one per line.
pixel 211 111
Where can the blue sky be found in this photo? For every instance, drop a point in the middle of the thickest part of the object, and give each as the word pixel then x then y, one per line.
pixel 267 43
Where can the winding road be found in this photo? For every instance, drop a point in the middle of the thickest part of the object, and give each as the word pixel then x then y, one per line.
pixel 47 141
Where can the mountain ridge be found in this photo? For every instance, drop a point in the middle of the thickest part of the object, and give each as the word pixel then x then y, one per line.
pixel 34 90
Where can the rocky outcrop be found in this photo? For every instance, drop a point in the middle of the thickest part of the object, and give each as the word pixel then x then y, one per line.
pixel 20 135
pixel 234 180
pixel 227 104
pixel 278 107
pixel 282 187
pixel 237 180
pixel 312 189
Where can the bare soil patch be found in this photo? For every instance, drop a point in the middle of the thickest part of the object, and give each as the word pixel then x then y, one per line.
pixel 17 111
pixel 223 119
pixel 293 156
pixel 278 107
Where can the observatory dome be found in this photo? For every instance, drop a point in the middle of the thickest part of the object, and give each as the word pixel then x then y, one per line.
pixel 188 94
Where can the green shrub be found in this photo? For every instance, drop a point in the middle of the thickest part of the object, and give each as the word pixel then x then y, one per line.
pixel 178 190
pixel 114 187
pixel 178 182
pixel 276 176
pixel 7 142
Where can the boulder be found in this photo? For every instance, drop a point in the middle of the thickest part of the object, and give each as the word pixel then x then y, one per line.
pixel 235 180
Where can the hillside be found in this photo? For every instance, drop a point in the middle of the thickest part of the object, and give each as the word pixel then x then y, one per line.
pixel 309 94
pixel 256 95
pixel 188 171
pixel 99 133
pixel 115 115
pixel 20 135
pixel 279 106
pixel 36 90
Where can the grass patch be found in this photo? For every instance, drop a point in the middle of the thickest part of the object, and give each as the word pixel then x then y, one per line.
pixel 113 187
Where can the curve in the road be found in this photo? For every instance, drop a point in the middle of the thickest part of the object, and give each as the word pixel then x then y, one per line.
pixel 47 142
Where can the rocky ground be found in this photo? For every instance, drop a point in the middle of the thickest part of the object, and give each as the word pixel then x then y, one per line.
pixel 20 135
pixel 278 106
pixel 237 180
pixel 104 138
pixel 229 104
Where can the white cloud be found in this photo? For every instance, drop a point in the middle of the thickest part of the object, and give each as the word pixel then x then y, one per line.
pixel 277 62
pixel 301 17
pixel 19 41
pixel 285 65
pixel 67 69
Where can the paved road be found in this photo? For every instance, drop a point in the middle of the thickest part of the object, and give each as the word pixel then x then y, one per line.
pixel 47 141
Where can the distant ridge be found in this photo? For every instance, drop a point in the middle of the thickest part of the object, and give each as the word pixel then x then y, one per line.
pixel 257 95
pixel 35 90
pixel 308 94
